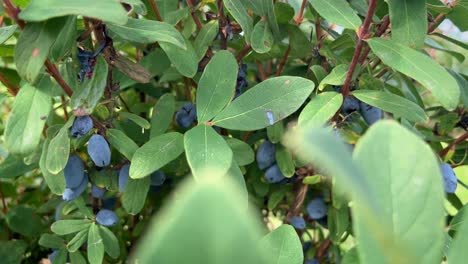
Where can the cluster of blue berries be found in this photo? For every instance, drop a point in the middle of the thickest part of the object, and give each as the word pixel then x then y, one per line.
pixel 157 178
pixel 266 159
pixel 186 115
pixel 351 104
pixel 241 80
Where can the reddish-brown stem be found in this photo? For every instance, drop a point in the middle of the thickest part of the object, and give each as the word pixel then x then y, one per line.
pixel 194 14
pixel 2 18
pixel 243 52
pixel 283 61
pixel 298 19
pixel 457 141
pixel 11 88
pixel 318 32
pixel 188 94
pixel 362 34
pixel 13 12
pixel 246 136
pixel 383 27
pixel 222 25
pixel 155 10
pixel 434 23
pixel 268 68
pixel 261 73
pixel 377 63
pixel 381 73
pixel 56 75
pixel 300 194
pixel 322 250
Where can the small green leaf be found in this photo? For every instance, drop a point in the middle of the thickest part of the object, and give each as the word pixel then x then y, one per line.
pixel 58 152
pixel 206 36
pixel 216 86
pixel 111 244
pixel 336 77
pixel 184 60
pixel 275 132
pixel 51 241
pixel 320 109
pixel 311 180
pixel 285 161
pixel 268 10
pixel 56 183
pixel 262 38
pixel 148 31
pixel 394 104
pixel 77 258
pixel 283 245
pixel 95 245
pixel 163 113
pixel 121 142
pixel 337 12
pixel 242 152
pixel 239 12
pixel 140 121
pixel 205 149
pixel 156 153
pixel 65 40
pixel 78 240
pixel 28 115
pixel 409 22
pixel 106 10
pixel 338 222
pixel 134 196
pixel 419 67
pixel 6 32
pixel 280 96
pixel 65 227
pixel 13 166
pixel 12 251
pixel 457 252
pixel 275 198
pixel 24 220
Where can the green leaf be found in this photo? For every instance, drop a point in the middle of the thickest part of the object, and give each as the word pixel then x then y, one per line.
pixel 283 245
pixel 409 22
pixel 458 15
pixel 95 245
pixel 65 40
pixel 239 12
pixel 77 258
pixel 338 222
pixel 351 257
pixel 285 161
pixel 134 196
pixel 281 96
pixel 111 244
pixel 457 252
pixel 65 227
pixel 12 251
pixel 140 121
pixel 12 167
pixel 454 41
pixel 242 152
pixel 275 132
pixel 396 161
pixel 56 183
pixel 320 109
pixel 311 180
pixel 336 77
pixel 275 198
pixel 462 84
pixel 90 91
pixel 337 12
pixel 28 115
pixel 51 241
pixel 394 104
pixel 33 47
pixel 268 10
pixel 184 60
pixel 78 240
pixel 58 152
pixel 148 31
pixel 106 10
pixel 156 153
pixel 419 67
pixel 61 257
pixel 205 149
pixel 205 38
pixel 163 113
pixel 192 215
pixel 25 221
pixel 6 32
pixel 216 86
pixel 262 38
pixel 121 142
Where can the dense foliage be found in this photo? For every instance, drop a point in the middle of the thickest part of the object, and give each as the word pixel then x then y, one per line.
pixel 233 131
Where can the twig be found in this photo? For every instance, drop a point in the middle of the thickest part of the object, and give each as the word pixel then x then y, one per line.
pixel 457 141
pixel 246 136
pixel 194 15
pixel 13 12
pixel 11 88
pixel 243 52
pixel 261 73
pixel 322 250
pixel 52 70
pixel 155 10
pixel 434 23
pixel 298 19
pixel 318 32
pixel 188 94
pixel 300 194
pixel 222 25
pixel 381 73
pixel 362 34
pixel 283 61
pixel 383 27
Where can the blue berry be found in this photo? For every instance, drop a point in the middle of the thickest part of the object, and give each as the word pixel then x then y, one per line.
pixel 186 115
pixel 274 174
pixel 99 151
pixel 157 178
pixel 266 155
pixel 370 113
pixel 306 246
pixel 74 171
pixel 350 104
pixel 97 192
pixel 109 203
pixel 123 176
pixel 450 179
pixel 298 222
pixel 317 208
pixel 71 194
pixel 81 126
pixel 312 261
pixel 53 255
pixel 106 217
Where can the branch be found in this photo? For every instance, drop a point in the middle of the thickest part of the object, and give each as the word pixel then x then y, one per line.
pixel 13 12
pixel 11 88
pixel 261 73
pixel 222 25
pixel 434 23
pixel 298 19
pixel 318 32
pixel 194 15
pixel 52 70
pixel 362 34
pixel 383 27
pixel 457 141
pixel 300 194
pixel 155 10
pixel 243 52
pixel 283 61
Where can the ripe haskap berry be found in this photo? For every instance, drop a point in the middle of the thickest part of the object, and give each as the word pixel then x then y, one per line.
pixel 74 171
pixel 53 255
pixel 298 222
pixel 317 208
pixel 123 176
pixel 274 174
pixel 99 151
pixel 71 194
pixel 186 115
pixel 450 179
pixel 81 126
pixel 266 155
pixel 109 203
pixel 158 178
pixel 97 192
pixel 370 113
pixel 106 217
pixel 350 104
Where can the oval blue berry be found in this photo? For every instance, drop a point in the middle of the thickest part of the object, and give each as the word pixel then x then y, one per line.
pixel 81 126
pixel 298 222
pixel 99 151
pixel 74 171
pixel 72 193
pixel 450 179
pixel 106 217
pixel 370 113
pixel 97 192
pixel 186 115
pixel 109 203
pixel 266 155
pixel 274 174
pixel 350 104
pixel 157 178
pixel 123 176
pixel 317 208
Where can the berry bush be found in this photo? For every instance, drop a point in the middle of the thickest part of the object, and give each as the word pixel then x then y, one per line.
pixel 233 131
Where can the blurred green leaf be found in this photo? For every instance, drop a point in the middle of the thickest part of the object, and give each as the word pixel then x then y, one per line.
pixel 242 152
pixel 409 22
pixel 285 161
pixel 58 152
pixel 25 221
pixel 13 167
pixel 6 32
pixel 283 246
pixel 12 251
pixel 121 142
pixel 320 109
pixel 65 40
pixel 51 241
